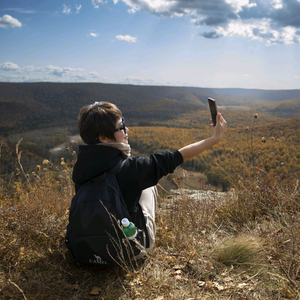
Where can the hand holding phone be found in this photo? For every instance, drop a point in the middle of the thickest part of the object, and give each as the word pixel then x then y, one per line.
pixel 213 110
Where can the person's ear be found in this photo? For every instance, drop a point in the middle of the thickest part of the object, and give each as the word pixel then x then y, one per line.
pixel 103 139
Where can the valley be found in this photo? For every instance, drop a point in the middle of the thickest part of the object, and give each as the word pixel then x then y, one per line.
pixel 159 118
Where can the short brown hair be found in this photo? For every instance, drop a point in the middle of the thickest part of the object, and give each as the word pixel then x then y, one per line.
pixel 97 119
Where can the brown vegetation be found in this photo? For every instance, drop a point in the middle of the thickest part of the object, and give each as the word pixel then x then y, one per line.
pixel 246 246
pixel 272 148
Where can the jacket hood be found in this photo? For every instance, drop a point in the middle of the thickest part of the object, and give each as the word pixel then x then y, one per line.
pixel 94 160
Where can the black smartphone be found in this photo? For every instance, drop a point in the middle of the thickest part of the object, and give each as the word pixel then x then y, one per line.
pixel 213 109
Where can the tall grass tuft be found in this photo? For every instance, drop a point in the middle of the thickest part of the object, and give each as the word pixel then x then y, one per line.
pixel 244 249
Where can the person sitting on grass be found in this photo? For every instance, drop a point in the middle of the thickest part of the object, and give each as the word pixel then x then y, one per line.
pixel 106 137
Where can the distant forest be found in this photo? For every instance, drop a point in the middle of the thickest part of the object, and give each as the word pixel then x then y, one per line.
pixel 28 106
pixel 44 115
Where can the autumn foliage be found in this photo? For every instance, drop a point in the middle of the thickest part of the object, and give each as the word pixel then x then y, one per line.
pixel 246 245
pixel 272 148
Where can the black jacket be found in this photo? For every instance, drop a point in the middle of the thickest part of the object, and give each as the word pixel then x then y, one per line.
pixel 136 174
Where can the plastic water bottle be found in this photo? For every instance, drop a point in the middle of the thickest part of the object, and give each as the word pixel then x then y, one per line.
pixel 129 229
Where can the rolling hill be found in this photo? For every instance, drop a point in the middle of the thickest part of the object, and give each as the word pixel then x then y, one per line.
pixel 24 106
pixel 27 106
pixel 287 109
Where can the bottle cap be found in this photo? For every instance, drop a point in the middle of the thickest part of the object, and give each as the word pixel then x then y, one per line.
pixel 125 222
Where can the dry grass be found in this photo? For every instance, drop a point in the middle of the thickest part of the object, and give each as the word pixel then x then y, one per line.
pixel 245 248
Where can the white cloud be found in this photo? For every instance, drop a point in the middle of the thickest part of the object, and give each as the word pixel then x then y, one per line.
pixel 231 17
pixel 288 35
pixel 155 6
pixel 126 38
pixel 50 69
pixel 261 31
pixel 53 70
pixel 277 4
pixel 29 68
pixel 141 81
pixel 94 74
pixel 50 73
pixel 238 4
pixel 66 10
pixel 11 78
pixel 97 3
pixel 78 8
pixel 58 71
pixel 252 5
pixel 21 10
pixel 9 66
pixel 8 20
pixel 94 34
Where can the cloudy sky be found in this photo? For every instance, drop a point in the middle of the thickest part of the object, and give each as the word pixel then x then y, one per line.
pixel 202 43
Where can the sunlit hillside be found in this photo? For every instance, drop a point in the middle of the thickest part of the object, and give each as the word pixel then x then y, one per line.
pixel 287 109
pixel 274 147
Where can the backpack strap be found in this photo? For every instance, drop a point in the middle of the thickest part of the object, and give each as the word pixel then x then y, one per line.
pixel 139 214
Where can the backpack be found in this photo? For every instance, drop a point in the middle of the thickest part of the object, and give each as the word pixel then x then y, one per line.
pixel 94 233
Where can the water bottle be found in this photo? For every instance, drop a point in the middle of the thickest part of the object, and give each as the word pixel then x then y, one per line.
pixel 129 229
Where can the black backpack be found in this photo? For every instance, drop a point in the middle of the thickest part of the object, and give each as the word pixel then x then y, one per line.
pixel 94 233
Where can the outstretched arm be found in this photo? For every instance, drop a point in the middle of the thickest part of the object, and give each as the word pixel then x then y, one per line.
pixel 192 150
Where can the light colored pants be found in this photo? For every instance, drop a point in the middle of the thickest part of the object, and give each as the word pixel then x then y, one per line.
pixel 148 204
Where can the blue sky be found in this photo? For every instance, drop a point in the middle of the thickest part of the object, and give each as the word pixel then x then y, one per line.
pixel 201 43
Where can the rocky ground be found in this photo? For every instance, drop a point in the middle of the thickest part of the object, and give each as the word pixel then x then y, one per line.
pixel 202 195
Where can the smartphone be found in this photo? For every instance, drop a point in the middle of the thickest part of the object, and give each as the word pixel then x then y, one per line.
pixel 213 109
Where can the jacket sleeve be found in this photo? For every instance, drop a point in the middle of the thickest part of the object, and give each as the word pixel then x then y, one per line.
pixel 139 173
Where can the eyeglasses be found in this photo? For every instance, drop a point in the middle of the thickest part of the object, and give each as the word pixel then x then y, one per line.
pixel 123 126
